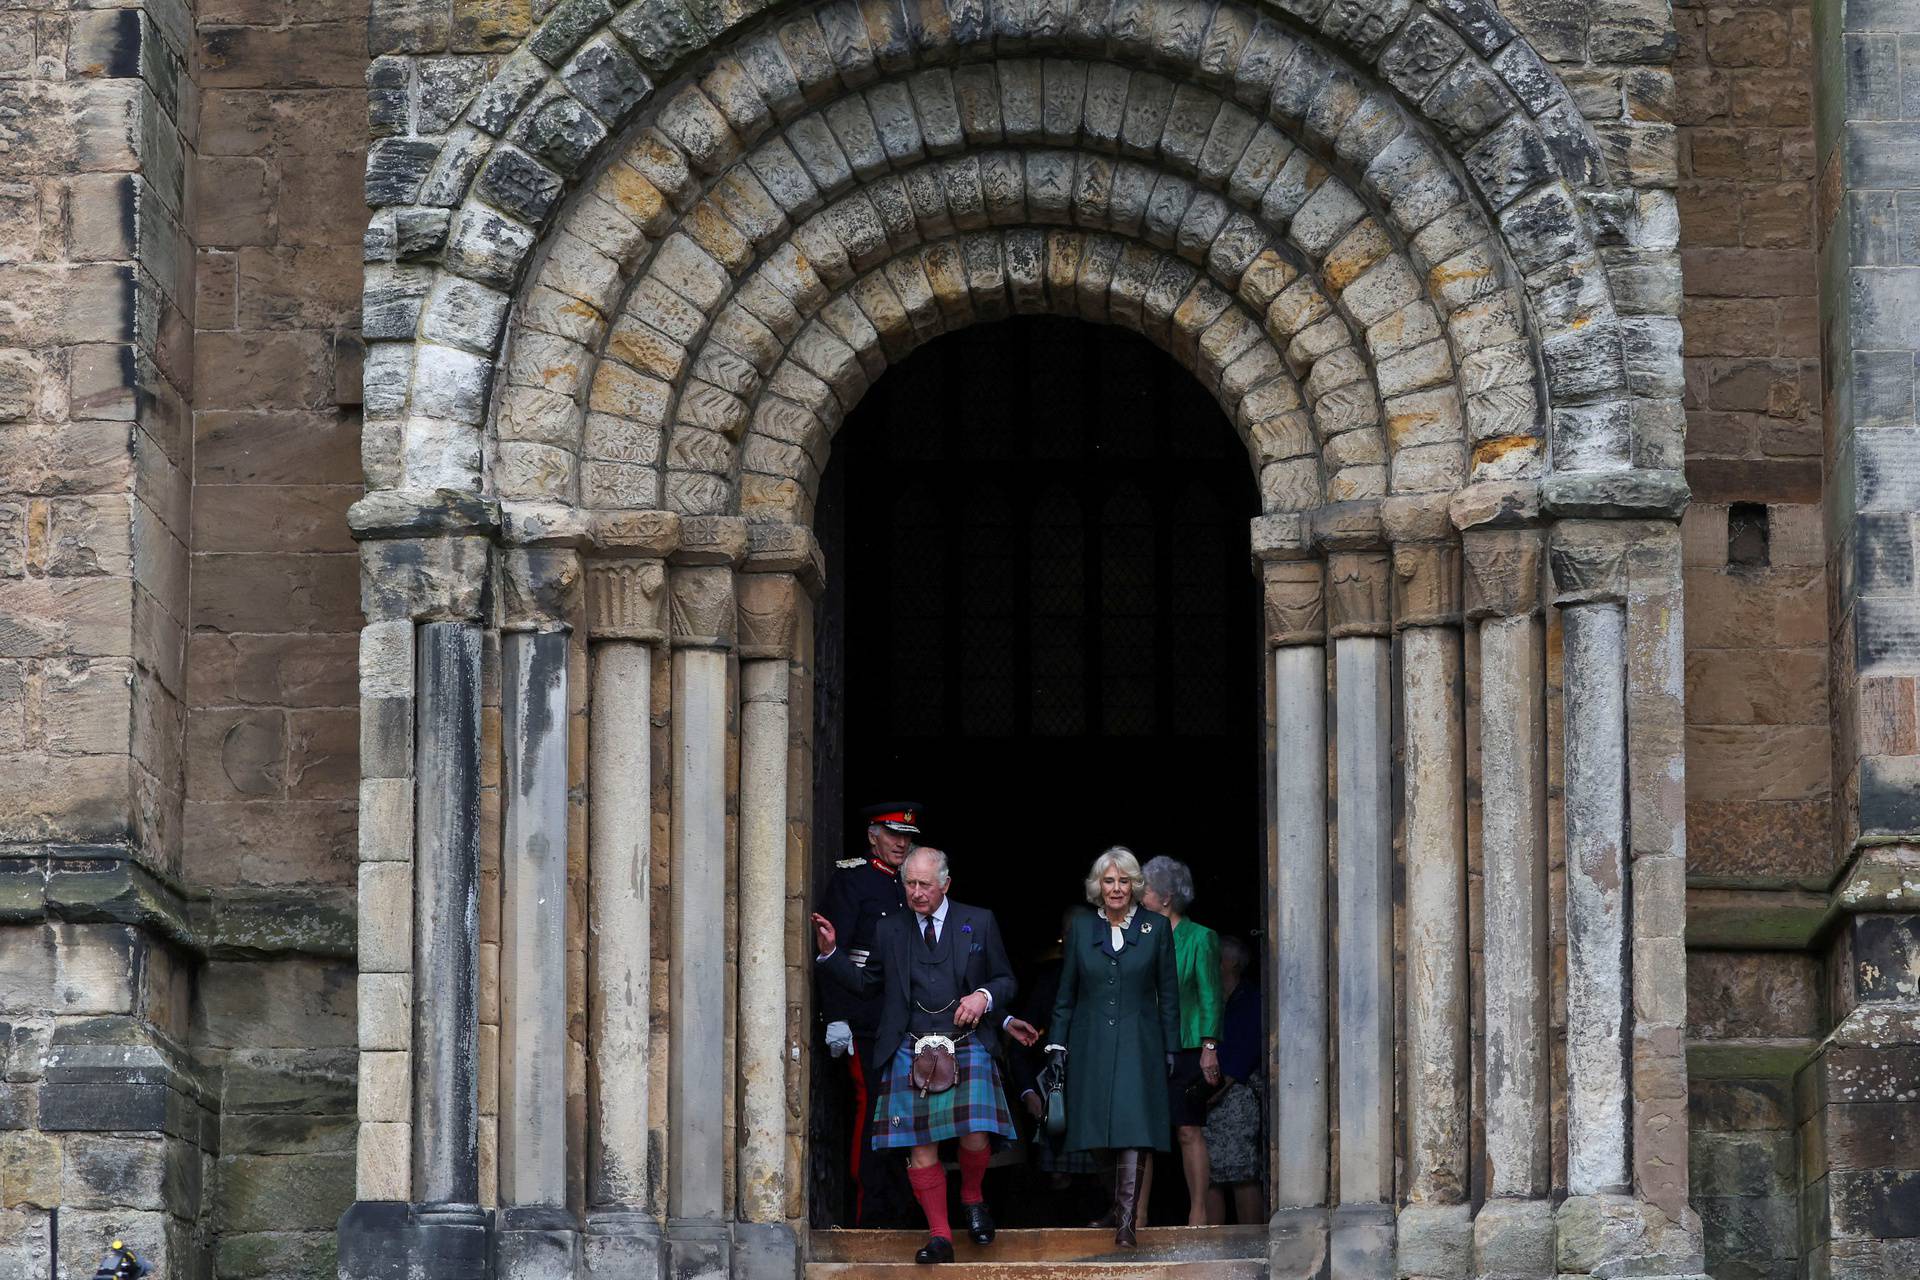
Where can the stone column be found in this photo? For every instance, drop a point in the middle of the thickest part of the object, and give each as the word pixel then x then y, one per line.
pixel 425 565
pixel 446 991
pixel 626 621
pixel 1363 1221
pixel 702 611
pixel 769 617
pixel 1595 796
pixel 536 1232
pixel 1296 633
pixel 1435 1227
pixel 1513 1232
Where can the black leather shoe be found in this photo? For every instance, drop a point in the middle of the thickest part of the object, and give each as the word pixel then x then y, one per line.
pixel 979 1223
pixel 936 1249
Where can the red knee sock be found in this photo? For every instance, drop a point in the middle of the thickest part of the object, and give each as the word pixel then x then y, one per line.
pixel 930 1189
pixel 973 1172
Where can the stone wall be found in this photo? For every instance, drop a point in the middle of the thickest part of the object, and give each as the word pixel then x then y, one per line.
pixel 272 779
pixel 1758 789
pixel 179 252
pixel 93 474
pixel 103 1116
pixel 1759 795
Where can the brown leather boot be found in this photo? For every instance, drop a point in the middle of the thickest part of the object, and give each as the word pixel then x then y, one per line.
pixel 1126 1198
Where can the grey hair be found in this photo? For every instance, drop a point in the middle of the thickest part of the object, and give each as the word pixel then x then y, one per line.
pixel 1122 860
pixel 939 857
pixel 1172 881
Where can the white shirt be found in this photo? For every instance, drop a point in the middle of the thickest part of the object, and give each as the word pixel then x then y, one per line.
pixel 1119 930
pixel 939 918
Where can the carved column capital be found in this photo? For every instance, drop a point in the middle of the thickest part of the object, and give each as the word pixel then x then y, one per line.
pixel 1426 584
pixel 1296 602
pixel 627 599
pixel 1503 572
pixel 432 578
pixel 1358 592
pixel 769 613
pixel 1589 561
pixel 700 606
pixel 539 588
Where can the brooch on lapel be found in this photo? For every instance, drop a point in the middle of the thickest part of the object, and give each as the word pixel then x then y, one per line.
pixel 1146 928
pixel 966 928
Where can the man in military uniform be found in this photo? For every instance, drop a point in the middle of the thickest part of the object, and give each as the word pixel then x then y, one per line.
pixel 863 890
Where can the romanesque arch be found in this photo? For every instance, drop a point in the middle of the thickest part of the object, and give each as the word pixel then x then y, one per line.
pixel 616 309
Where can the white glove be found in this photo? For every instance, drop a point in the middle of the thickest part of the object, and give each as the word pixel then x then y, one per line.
pixel 839 1039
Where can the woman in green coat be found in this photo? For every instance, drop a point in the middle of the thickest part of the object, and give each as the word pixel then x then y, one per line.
pixel 1116 1023
pixel 1196 1062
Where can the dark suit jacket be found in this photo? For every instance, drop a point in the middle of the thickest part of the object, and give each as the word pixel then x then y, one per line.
pixel 970 941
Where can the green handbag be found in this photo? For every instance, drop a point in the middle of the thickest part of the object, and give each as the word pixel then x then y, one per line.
pixel 1053 1094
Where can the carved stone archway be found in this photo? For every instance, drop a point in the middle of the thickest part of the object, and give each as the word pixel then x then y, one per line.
pixel 612 331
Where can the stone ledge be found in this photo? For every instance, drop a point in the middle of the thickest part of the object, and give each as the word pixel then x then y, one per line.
pixel 1740 917
pixel 1615 494
pixel 113 1074
pixel 1771 1057
pixel 414 513
pixel 96 884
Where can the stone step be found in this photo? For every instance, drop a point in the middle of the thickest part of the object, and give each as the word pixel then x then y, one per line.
pixel 1210 1269
pixel 1053 1246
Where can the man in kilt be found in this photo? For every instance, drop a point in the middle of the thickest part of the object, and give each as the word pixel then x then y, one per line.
pixel 941 970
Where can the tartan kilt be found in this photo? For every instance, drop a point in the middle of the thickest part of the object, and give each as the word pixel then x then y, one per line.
pixel 975 1104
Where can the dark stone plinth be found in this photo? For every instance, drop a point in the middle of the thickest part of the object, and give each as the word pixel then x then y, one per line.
pixel 765 1251
pixel 1362 1242
pixel 699 1249
pixel 389 1240
pixel 1297 1244
pixel 535 1242
pixel 625 1244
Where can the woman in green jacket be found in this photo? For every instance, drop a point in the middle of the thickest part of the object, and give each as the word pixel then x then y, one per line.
pixel 1116 1022
pixel 1196 1064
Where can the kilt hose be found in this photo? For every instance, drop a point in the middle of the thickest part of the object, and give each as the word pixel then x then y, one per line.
pixel 975 1104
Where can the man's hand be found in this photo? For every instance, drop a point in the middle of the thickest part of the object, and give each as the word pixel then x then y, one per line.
pixel 1023 1031
pixel 970 1010
pixel 824 938
pixel 1036 1106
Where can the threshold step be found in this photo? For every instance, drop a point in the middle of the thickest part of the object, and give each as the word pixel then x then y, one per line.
pixel 1211 1269
pixel 1053 1246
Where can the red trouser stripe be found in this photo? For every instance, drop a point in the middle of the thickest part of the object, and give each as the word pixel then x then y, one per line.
pixel 859 1131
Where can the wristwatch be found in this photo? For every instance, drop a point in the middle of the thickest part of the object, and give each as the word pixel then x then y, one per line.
pixel 1209 1044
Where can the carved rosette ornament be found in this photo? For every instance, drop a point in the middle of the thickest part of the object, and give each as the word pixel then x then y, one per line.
pixel 627 600
pixel 1358 590
pixel 1503 572
pixel 1295 598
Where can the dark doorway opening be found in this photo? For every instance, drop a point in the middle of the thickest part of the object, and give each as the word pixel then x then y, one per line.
pixel 1041 622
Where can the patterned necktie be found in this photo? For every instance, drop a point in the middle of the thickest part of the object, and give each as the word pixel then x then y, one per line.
pixel 930 938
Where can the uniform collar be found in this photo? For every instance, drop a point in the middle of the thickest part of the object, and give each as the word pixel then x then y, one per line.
pixel 881 865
